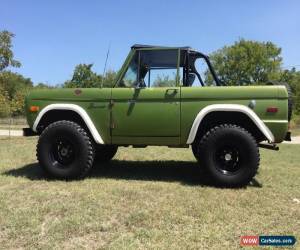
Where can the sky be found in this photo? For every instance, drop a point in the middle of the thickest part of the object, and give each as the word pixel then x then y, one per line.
pixel 52 37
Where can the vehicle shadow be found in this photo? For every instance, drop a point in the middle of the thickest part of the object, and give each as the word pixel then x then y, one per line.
pixel 185 172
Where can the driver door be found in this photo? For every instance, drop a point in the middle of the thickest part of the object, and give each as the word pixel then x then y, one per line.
pixel 146 101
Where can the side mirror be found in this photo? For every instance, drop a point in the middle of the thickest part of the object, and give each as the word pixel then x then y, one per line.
pixel 191 79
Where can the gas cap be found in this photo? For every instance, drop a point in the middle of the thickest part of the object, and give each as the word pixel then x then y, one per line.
pixel 252 104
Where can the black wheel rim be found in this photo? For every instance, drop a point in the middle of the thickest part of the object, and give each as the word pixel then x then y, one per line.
pixel 228 159
pixel 62 152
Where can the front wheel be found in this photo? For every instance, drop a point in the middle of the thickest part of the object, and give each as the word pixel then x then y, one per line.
pixel 230 155
pixel 65 150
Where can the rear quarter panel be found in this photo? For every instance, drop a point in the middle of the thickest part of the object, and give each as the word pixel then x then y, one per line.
pixel 193 99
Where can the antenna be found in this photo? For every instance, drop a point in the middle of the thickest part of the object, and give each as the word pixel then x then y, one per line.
pixel 104 70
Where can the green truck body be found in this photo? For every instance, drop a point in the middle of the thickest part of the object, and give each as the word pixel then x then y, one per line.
pixel 169 115
pixel 156 119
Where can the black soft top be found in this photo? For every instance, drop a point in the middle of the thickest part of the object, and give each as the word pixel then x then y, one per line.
pixel 143 46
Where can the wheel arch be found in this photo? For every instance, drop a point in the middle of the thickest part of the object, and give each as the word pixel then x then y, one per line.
pixel 217 114
pixel 73 112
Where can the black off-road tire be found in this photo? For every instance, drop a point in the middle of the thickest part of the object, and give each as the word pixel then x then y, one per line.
pixel 65 150
pixel 290 96
pixel 105 153
pixel 195 149
pixel 229 154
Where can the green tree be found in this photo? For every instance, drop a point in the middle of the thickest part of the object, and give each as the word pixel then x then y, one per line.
pixel 247 62
pixel 4 103
pixel 17 102
pixel 84 77
pixel 15 87
pixel 13 82
pixel 164 81
pixel 292 77
pixel 42 85
pixel 6 53
pixel 109 78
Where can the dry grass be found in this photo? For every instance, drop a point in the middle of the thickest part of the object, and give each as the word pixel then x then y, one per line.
pixel 13 127
pixel 13 123
pixel 153 198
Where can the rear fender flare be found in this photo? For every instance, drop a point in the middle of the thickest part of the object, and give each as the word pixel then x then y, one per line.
pixel 229 108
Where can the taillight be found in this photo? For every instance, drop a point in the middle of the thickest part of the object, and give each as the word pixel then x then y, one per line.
pixel 272 109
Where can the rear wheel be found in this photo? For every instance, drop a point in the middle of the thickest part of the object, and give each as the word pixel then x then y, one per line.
pixel 195 150
pixel 65 150
pixel 229 154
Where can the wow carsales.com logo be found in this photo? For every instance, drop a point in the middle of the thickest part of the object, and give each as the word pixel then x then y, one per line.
pixel 250 240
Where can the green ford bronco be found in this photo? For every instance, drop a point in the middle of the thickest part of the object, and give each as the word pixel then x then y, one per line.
pixel 160 97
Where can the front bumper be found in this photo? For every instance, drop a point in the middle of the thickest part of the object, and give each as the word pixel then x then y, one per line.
pixel 288 136
pixel 29 132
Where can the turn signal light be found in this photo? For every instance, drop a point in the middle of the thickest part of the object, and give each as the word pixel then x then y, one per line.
pixel 272 109
pixel 34 108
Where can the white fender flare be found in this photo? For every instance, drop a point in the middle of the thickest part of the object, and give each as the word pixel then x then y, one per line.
pixel 73 107
pixel 229 108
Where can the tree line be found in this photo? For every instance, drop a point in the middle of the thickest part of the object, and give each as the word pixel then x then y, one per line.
pixel 245 62
pixel 255 63
pixel 14 87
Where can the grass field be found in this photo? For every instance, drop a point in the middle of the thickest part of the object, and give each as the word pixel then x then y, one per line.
pixel 296 131
pixel 153 198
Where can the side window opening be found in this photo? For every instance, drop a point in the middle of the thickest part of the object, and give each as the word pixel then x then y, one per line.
pixel 160 77
pixel 197 72
pixel 204 72
pixel 158 68
pixel 152 68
